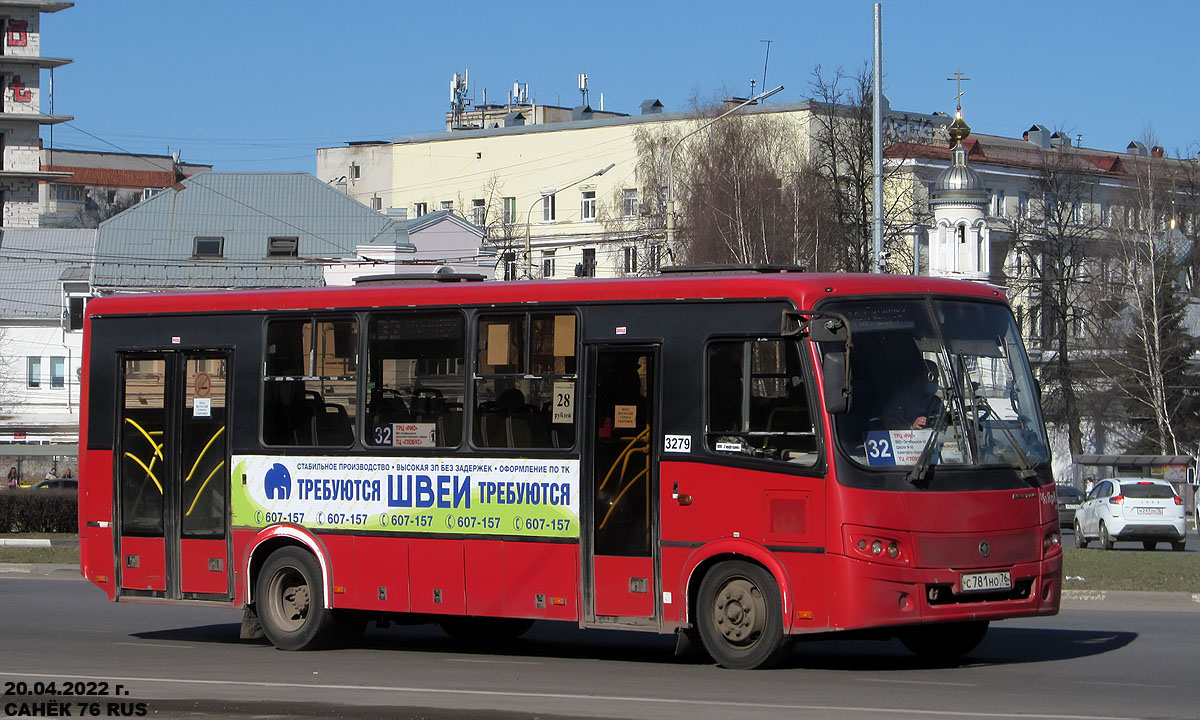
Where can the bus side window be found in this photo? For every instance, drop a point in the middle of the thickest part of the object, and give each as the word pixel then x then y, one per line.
pixel 416 380
pixel 758 404
pixel 310 387
pixel 525 389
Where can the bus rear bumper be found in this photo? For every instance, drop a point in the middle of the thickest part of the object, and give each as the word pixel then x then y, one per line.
pixel 878 595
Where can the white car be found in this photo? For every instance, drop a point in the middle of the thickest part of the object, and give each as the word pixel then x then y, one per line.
pixel 1145 509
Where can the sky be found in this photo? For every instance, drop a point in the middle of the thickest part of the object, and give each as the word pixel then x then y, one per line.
pixel 259 85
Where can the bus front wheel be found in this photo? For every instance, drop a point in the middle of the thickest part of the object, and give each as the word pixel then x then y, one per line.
pixel 740 616
pixel 290 601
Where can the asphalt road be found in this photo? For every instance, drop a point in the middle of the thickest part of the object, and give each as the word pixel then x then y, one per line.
pixel 1097 659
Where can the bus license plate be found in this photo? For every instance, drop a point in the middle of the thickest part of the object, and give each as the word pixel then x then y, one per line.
pixel 980 582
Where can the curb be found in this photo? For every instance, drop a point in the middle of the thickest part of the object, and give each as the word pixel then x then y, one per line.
pixel 1131 600
pixel 39 542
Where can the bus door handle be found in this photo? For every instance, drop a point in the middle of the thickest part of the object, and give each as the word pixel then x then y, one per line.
pixel 682 499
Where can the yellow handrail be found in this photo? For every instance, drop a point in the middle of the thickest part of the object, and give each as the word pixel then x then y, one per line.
pixel 201 455
pixel 149 472
pixel 204 485
pixel 157 447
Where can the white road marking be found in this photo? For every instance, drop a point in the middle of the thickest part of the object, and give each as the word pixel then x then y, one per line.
pixel 919 682
pixel 1124 684
pixel 495 662
pixel 920 712
pixel 145 644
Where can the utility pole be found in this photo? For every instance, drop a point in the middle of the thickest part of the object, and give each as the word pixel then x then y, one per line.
pixel 878 259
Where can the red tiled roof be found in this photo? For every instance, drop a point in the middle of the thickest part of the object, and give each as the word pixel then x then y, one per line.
pixel 103 177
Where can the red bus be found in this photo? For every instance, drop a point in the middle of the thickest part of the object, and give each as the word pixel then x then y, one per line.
pixel 741 458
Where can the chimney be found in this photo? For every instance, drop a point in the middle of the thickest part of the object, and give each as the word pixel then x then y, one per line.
pixel 1039 135
pixel 651 107
pixel 1157 151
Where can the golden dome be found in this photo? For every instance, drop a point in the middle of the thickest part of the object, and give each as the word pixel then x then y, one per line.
pixel 959 129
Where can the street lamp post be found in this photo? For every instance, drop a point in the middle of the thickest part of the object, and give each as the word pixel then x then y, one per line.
pixel 541 198
pixel 671 162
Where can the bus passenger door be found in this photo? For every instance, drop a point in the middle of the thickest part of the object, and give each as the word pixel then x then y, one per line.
pixel 173 476
pixel 620 486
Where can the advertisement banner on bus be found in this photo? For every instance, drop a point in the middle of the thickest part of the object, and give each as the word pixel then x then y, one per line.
pixel 435 496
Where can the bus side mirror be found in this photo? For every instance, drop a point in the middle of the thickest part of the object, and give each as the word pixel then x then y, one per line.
pixel 836 382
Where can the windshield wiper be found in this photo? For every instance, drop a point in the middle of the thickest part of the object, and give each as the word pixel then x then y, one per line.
pixel 924 460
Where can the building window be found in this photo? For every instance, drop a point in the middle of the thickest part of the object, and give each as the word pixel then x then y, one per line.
pixel 629 260
pixel 355 171
pixel 478 212
pixel 998 204
pixel 376 203
pixel 208 246
pixel 654 257
pixel 587 268
pixel 510 266
pixel 510 210
pixel 283 246
pixel 587 205
pixel 68 193
pixel 148 193
pixel 629 203
pixel 58 371
pixel 33 376
pixel 447 204
pixel 548 208
pixel 1023 205
pixel 75 306
pixel 420 209
pixel 547 263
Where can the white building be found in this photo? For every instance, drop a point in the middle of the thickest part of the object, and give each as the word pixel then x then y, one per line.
pixel 43 291
pixel 21 118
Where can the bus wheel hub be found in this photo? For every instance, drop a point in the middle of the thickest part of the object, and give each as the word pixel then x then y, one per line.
pixel 739 611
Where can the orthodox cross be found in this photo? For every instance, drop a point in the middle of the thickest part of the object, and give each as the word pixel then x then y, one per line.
pixel 958 79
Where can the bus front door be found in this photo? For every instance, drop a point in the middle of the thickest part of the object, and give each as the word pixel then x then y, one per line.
pixel 173 476
pixel 621 485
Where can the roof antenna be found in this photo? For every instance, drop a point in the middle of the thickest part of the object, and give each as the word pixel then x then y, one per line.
pixel 765 61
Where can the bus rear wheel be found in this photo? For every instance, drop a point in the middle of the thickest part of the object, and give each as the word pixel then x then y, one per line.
pixel 740 616
pixel 290 601
pixel 944 642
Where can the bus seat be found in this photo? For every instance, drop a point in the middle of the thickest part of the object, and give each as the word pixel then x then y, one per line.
pixel 449 428
pixel 332 426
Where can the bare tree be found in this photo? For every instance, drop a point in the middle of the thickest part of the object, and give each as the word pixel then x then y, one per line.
pixel 841 151
pixel 1058 240
pixel 1153 373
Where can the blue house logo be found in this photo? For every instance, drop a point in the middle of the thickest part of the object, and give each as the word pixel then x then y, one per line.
pixel 278 483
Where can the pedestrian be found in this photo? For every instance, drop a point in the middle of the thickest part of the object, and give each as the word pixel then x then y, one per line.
pixel 51 474
pixel 13 478
pixel 67 474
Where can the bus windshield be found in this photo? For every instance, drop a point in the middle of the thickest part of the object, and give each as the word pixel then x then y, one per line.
pixel 938 382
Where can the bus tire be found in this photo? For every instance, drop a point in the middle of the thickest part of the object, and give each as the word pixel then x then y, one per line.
pixel 485 630
pixel 290 600
pixel 943 642
pixel 740 616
